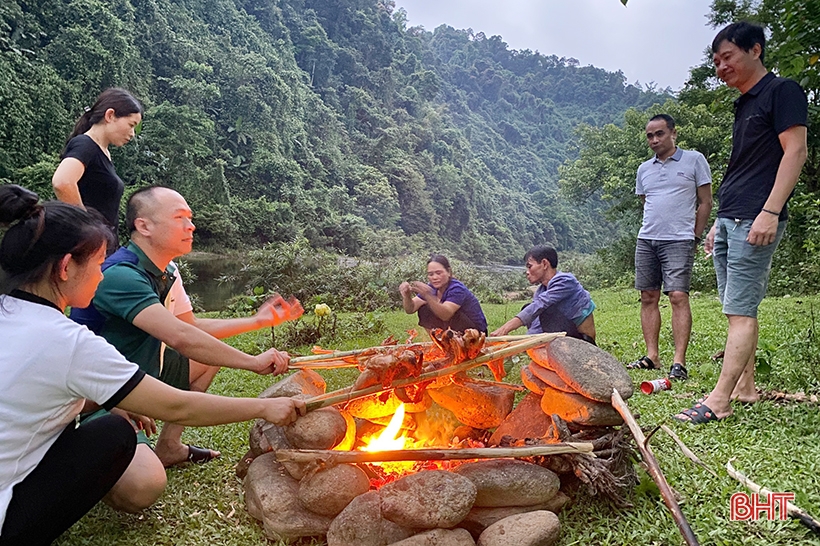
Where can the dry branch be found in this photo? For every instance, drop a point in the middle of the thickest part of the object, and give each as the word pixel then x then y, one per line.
pixel 347 394
pixel 794 511
pixel 688 452
pixel 331 457
pixel 654 470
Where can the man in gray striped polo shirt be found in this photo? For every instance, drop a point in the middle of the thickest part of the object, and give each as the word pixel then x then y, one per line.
pixel 676 188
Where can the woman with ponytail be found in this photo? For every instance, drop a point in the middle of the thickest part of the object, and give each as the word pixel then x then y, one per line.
pixel 51 471
pixel 86 177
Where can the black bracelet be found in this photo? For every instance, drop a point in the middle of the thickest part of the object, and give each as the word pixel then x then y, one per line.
pixel 771 212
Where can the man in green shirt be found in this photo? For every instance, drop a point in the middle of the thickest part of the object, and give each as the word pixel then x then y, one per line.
pixel 137 301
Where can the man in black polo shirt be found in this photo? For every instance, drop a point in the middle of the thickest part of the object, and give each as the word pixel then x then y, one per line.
pixel 768 152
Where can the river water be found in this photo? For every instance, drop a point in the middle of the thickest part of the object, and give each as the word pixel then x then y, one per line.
pixel 212 293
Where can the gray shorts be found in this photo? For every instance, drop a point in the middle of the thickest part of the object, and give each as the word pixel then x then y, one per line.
pixel 742 269
pixel 669 262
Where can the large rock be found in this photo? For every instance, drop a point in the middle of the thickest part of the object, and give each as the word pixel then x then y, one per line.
pixel 271 496
pixel 439 537
pixel 510 482
pixel 578 410
pixel 589 370
pixel 480 518
pixel 526 421
pixel 320 429
pixel 531 381
pixel 361 524
pixel 540 528
pixel 304 382
pixel 371 407
pixel 549 377
pixel 264 437
pixel 428 500
pixel 475 403
pixel 328 491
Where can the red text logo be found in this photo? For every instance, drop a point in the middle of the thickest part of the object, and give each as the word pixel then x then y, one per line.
pixel 743 507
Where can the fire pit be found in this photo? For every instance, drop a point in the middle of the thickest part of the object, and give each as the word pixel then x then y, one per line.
pixel 416 452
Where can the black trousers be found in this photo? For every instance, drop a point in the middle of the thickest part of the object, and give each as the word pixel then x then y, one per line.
pixel 458 322
pixel 75 474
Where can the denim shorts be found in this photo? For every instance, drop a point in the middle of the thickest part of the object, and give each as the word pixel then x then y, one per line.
pixel 669 262
pixel 742 269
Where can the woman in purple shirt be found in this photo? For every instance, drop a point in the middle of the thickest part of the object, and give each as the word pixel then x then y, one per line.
pixel 444 302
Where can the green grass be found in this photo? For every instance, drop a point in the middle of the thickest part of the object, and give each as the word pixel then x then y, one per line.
pixel 776 445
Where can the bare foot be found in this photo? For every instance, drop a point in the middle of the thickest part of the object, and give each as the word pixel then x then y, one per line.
pixel 718 409
pixel 745 397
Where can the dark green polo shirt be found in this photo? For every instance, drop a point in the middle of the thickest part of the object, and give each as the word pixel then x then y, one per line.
pixel 125 291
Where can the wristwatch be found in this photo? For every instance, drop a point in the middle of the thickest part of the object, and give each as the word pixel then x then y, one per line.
pixel 698 240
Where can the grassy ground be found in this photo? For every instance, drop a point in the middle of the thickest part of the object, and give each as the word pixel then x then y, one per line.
pixel 775 444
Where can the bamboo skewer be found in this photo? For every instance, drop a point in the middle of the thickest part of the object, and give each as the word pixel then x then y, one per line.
pixel 794 511
pixel 331 457
pixel 347 394
pixel 654 470
pixel 301 362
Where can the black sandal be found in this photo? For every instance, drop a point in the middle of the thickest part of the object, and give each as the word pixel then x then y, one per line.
pixel 679 372
pixel 643 363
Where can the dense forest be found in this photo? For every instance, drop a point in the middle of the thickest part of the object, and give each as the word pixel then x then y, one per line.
pixel 329 121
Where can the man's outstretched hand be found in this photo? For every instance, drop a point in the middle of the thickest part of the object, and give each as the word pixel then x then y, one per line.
pixel 277 310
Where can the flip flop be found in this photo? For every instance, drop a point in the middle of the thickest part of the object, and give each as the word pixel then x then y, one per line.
pixel 697 415
pixel 678 371
pixel 200 455
pixel 643 363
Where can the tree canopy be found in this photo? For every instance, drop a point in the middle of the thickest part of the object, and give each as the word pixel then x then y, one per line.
pixel 330 120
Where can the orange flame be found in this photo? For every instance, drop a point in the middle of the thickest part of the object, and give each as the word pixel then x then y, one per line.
pixel 389 439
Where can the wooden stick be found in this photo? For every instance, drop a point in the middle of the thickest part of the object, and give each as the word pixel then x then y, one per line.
pixel 791 509
pixel 347 394
pixel 654 470
pixel 320 365
pixel 336 355
pixel 331 457
pixel 688 452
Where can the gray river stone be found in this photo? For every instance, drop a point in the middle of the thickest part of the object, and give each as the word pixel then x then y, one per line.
pixel 589 370
pixel 328 491
pixel 271 496
pixel 549 377
pixel 475 403
pixel 361 524
pixel 319 429
pixel 304 382
pixel 510 482
pixel 480 518
pixel 526 421
pixel 427 500
pixel 540 528
pixel 439 537
pixel 579 410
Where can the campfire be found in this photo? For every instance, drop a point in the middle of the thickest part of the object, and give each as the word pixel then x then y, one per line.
pixel 417 447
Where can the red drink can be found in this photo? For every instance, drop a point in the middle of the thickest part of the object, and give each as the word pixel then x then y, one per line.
pixel 650 387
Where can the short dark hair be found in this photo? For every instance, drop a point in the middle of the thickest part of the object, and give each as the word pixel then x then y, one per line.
pixel 744 35
pixel 543 252
pixel 40 234
pixel 441 259
pixel 670 121
pixel 136 204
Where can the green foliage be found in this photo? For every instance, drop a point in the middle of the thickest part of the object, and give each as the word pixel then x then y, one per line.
pixel 333 112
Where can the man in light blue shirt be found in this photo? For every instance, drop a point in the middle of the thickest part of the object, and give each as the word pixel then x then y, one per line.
pixel 560 303
pixel 676 188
